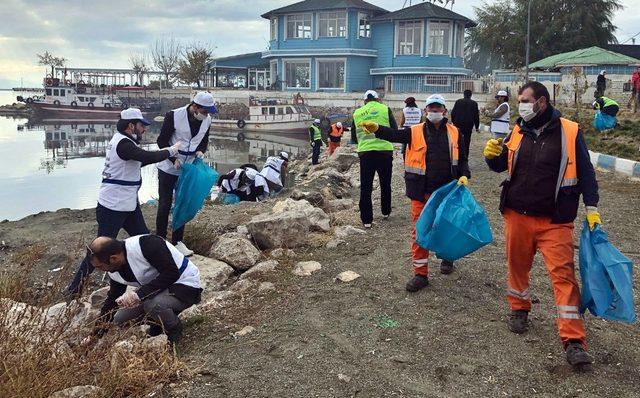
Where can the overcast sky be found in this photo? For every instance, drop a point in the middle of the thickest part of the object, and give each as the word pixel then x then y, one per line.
pixel 104 33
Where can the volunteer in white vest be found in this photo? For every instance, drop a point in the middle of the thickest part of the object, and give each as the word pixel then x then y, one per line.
pixel 189 125
pixel 118 206
pixel 165 281
pixel 411 115
pixel 501 116
pixel 275 171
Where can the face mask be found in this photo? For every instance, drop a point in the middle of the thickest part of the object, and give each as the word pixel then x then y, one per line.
pixel 200 116
pixel 526 111
pixel 435 117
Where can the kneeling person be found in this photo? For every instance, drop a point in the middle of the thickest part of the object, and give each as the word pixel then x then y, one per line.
pixel 166 282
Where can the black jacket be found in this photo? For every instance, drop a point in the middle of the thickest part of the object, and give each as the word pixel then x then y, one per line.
pixel 532 188
pixel 440 171
pixel 465 114
pixel 167 130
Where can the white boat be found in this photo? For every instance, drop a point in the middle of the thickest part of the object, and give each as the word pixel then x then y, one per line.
pixel 270 116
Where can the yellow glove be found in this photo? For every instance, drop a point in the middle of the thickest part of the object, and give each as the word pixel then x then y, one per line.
pixel 593 217
pixel 493 149
pixel 369 127
pixel 463 181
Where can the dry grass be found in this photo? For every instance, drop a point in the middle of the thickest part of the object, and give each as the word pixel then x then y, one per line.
pixel 43 352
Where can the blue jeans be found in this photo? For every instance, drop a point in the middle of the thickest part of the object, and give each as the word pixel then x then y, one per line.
pixel 109 224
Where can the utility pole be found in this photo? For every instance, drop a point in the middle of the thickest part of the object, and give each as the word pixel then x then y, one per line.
pixel 526 72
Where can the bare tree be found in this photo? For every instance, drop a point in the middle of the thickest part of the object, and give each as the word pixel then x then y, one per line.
pixel 165 54
pixel 140 65
pixel 47 59
pixel 193 63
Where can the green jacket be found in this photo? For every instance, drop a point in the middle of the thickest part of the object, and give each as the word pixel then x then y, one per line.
pixel 375 112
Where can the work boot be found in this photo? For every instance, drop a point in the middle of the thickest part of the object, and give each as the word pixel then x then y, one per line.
pixel 446 267
pixel 174 335
pixel 578 357
pixel 418 282
pixel 518 321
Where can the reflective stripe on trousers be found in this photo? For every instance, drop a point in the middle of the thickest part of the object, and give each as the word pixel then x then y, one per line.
pixel 419 256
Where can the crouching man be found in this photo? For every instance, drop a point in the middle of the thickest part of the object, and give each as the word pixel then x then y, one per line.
pixel 166 283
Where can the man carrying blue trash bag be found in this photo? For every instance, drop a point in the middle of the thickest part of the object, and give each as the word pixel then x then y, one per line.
pixel 548 168
pixel 435 156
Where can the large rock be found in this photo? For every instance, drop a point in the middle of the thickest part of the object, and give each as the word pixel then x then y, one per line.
pixel 79 392
pixel 306 268
pixel 318 219
pixel 343 158
pixel 312 196
pixel 271 231
pixel 213 273
pixel 260 270
pixel 235 250
pixel 346 231
pixel 98 297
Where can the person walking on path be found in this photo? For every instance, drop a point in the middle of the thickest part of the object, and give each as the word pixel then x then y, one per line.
pixel 466 116
pixel 435 155
pixel 118 206
pixel 315 139
pixel 501 117
pixel 376 155
pixel 190 126
pixel 548 168
pixel 601 84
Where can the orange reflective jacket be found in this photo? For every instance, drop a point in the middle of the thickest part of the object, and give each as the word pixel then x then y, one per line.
pixel 415 161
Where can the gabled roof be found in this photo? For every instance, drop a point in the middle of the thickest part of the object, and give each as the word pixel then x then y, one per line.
pixel 425 10
pixel 585 56
pixel 630 50
pixel 316 5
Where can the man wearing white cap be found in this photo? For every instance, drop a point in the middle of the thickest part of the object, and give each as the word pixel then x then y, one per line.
pixel 435 155
pixel 501 116
pixel 118 205
pixel 275 171
pixel 315 139
pixel 376 155
pixel 190 126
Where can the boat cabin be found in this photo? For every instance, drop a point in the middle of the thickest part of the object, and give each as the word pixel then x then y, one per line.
pixel 279 112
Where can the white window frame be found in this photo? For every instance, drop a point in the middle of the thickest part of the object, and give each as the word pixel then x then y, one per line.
pixel 427 83
pixel 320 20
pixel 284 72
pixel 273 67
pixel 295 17
pixel 460 40
pixel 413 45
pixel 344 83
pixel 367 17
pixel 436 24
pixel 273 28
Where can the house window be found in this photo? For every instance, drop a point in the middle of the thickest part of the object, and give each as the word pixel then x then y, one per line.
pixel 331 74
pixel 274 28
pixel 439 33
pixel 297 74
pixel 332 24
pixel 299 26
pixel 409 38
pixel 460 43
pixel 364 26
pixel 436 80
pixel 273 72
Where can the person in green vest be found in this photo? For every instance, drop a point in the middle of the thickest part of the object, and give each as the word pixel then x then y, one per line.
pixel 315 139
pixel 376 155
pixel 607 106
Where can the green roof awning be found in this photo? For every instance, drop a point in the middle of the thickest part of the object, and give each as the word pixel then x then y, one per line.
pixel 583 57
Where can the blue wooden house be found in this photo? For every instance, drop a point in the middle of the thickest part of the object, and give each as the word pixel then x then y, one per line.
pixel 352 45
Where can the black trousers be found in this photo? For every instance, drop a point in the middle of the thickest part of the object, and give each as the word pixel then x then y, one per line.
pixel 371 163
pixel 166 185
pixel 466 134
pixel 317 145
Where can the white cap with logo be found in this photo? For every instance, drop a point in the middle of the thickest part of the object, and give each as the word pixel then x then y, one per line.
pixel 436 99
pixel 502 93
pixel 206 101
pixel 134 114
pixel 372 94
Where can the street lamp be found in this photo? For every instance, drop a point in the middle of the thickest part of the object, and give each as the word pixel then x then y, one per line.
pixel 526 72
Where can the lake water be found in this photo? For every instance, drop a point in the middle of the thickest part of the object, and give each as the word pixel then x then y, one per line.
pixel 46 166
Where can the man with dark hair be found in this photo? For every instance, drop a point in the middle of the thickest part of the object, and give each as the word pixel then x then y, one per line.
pixel 118 205
pixel 190 125
pixel 166 283
pixel 465 116
pixel 376 155
pixel 548 168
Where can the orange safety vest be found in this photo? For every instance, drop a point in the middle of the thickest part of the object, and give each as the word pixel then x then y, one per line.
pixel 415 160
pixel 335 131
pixel 568 175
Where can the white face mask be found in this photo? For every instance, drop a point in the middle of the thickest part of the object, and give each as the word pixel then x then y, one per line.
pixel 526 111
pixel 200 116
pixel 435 117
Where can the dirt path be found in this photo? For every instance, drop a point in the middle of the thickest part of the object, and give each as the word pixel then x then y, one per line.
pixel 449 340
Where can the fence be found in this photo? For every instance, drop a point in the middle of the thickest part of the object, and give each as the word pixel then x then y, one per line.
pixel 430 84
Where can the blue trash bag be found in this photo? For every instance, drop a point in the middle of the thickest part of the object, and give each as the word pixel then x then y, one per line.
pixel 607 278
pixel 228 198
pixel 192 189
pixel 602 121
pixel 453 224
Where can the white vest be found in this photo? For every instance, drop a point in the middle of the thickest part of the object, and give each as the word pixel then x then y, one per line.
pixel 121 179
pixel 183 134
pixel 500 125
pixel 145 272
pixel 272 169
pixel 258 181
pixel 412 116
pixel 232 184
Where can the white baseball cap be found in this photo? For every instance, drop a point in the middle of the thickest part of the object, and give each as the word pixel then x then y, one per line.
pixel 436 99
pixel 339 124
pixel 502 93
pixel 134 114
pixel 284 155
pixel 371 93
pixel 206 101
pixel 316 121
